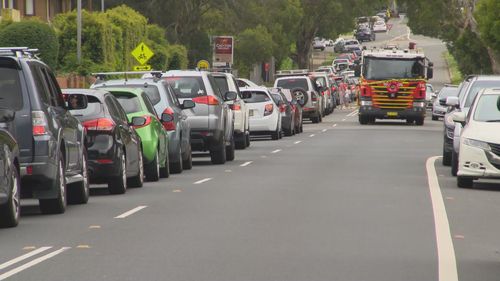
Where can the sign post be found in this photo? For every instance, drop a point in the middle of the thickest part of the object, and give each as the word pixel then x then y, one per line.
pixel 223 52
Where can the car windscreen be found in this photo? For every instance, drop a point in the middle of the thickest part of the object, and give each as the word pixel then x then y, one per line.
pixel 150 90
pixel 384 68
pixel 488 108
pixel 130 104
pixel 476 87
pixel 187 87
pixel 94 107
pixel 257 96
pixel 11 95
pixel 292 83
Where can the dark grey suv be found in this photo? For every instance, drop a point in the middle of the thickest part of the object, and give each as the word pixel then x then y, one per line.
pixel 52 158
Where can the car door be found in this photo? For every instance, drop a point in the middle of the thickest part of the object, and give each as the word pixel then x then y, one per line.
pixel 180 118
pixel 158 127
pixel 221 110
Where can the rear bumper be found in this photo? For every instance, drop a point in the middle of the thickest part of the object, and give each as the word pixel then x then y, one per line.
pixel 268 123
pixel 203 140
pixel 310 112
pixel 411 113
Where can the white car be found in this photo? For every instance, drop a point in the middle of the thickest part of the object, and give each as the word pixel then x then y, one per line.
pixel 227 83
pixel 379 26
pixel 480 139
pixel 265 116
pixel 319 45
pixel 242 82
pixel 429 93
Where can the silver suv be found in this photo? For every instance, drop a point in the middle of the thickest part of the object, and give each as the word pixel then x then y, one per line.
pixel 211 120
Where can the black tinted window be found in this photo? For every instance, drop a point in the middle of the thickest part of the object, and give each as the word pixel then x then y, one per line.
pixel 129 103
pixel 187 87
pixel 221 82
pixel 293 83
pixel 257 97
pixel 148 104
pixel 11 95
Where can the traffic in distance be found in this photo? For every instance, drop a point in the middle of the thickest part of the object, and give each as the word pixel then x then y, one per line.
pixel 140 132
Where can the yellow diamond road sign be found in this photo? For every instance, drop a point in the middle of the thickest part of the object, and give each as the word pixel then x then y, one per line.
pixel 142 53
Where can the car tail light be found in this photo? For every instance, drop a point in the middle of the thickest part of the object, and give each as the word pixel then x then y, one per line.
pixel 169 125
pixel 210 100
pixel 29 170
pixel 333 88
pixel 235 106
pixel 101 124
pixel 104 161
pixel 282 108
pixel 39 122
pixel 268 109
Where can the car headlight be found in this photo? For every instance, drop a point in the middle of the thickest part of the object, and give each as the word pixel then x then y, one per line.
pixel 419 104
pixel 366 103
pixel 475 143
pixel 449 121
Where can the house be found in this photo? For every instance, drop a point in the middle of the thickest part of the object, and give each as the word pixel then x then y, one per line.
pixel 43 9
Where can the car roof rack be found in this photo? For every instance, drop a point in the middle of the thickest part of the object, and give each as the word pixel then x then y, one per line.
pixel 101 76
pixel 292 72
pixel 19 52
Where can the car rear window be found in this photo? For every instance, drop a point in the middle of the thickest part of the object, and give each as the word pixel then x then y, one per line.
pixel 257 96
pixel 11 95
pixel 94 107
pixel 130 104
pixel 221 83
pixel 292 84
pixel 187 87
pixel 150 90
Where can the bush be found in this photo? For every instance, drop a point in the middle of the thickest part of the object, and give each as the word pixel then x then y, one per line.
pixel 32 34
pixel 178 57
pixel 253 46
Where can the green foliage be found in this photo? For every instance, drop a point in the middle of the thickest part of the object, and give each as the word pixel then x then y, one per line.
pixel 487 12
pixel 253 45
pixel 32 34
pixel 456 75
pixel 471 54
pixel 177 57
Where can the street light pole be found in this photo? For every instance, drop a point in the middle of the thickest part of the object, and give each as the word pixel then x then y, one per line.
pixel 102 6
pixel 79 31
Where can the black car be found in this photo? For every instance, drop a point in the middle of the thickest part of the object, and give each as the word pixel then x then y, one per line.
pixel 52 156
pixel 10 183
pixel 287 112
pixel 365 34
pixel 113 146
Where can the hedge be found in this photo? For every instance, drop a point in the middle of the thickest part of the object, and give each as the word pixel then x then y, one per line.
pixel 32 34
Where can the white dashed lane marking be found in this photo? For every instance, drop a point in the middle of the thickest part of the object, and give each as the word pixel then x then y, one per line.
pixel 246 164
pixel 131 212
pixel 202 181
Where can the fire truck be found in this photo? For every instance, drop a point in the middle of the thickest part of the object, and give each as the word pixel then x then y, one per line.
pixel 393 85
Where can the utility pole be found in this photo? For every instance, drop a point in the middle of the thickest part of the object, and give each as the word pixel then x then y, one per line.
pixel 79 31
pixel 102 6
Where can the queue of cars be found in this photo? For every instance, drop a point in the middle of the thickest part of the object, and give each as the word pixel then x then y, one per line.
pixel 471 143
pixel 123 132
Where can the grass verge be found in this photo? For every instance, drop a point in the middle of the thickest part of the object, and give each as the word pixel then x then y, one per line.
pixel 455 75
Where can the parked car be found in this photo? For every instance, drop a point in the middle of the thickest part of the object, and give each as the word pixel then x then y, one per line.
pixel 480 139
pixel 321 79
pixel 379 26
pixel 113 146
pixel 365 34
pixel 227 83
pixel 350 44
pixel 429 93
pixel 304 90
pixel 338 46
pixel 299 122
pixel 265 116
pixel 463 103
pixel 287 112
pixel 211 120
pixel 319 44
pixel 10 181
pixel 52 156
pixel 153 135
pixel 439 108
pixel 165 101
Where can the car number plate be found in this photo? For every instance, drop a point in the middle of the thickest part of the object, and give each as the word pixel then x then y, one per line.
pixel 250 113
pixel 392 114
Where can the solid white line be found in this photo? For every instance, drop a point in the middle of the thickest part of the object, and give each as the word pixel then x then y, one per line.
pixel 447 263
pixel 324 130
pixel 23 257
pixel 246 164
pixel 311 135
pixel 32 263
pixel 297 142
pixel 202 181
pixel 334 125
pixel 275 151
pixel 131 212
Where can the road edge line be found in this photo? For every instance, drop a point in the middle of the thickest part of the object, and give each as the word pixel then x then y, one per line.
pixel 447 264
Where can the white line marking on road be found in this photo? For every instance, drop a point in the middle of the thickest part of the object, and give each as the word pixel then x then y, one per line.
pixel 352 113
pixel 228 171
pixel 297 142
pixel 334 125
pixel 246 164
pixel 32 263
pixel 447 263
pixel 23 257
pixel 324 130
pixel 311 135
pixel 343 120
pixel 263 156
pixel 202 181
pixel 131 212
pixel 275 151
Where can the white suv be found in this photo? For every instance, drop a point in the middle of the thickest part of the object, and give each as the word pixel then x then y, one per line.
pixel 480 139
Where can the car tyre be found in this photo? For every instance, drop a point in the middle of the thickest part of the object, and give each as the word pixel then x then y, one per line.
pixel 218 155
pixel 230 150
pixel 78 193
pixel 138 180
pixel 177 166
pixel 165 170
pixel 247 138
pixel 188 160
pixel 363 120
pixel 419 121
pixel 465 182
pixel 446 158
pixel 153 169
pixel 11 210
pixel 57 205
pixel 454 163
pixel 240 141
pixel 435 118
pixel 118 184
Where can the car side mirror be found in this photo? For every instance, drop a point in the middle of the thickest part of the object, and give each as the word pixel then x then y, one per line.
pixel 167 118
pixel 77 101
pixel 187 104
pixel 452 101
pixel 459 117
pixel 138 121
pixel 430 70
pixel 7 115
pixel 246 95
pixel 230 96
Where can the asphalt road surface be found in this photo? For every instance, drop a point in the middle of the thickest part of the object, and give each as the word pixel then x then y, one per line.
pixel 339 202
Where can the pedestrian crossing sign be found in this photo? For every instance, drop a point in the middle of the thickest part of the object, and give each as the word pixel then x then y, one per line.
pixel 142 53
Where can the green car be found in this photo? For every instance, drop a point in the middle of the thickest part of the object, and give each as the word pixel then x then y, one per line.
pixel 153 136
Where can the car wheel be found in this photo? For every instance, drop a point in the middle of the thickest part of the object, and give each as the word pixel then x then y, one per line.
pixel 11 210
pixel 218 155
pixel 446 158
pixel 247 137
pixel 300 95
pixel 276 134
pixel 56 205
pixel 435 118
pixel 230 150
pixel 363 120
pixel 240 141
pixel 78 193
pixel 138 180
pixel 454 163
pixel 188 160
pixel 315 120
pixel 419 121
pixel 118 184
pixel 409 121
pixel 176 167
pixel 465 182
pixel 165 170
pixel 153 169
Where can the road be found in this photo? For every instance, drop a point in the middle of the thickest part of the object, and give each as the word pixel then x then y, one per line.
pixel 339 202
